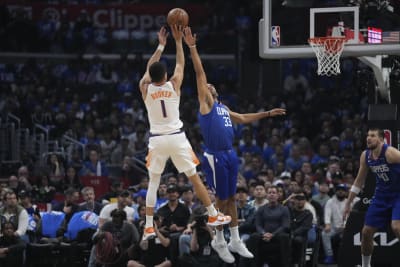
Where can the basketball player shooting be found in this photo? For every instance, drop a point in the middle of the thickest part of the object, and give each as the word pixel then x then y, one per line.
pixel 384 161
pixel 167 139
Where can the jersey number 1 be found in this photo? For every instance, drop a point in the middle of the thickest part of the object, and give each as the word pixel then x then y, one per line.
pixel 164 111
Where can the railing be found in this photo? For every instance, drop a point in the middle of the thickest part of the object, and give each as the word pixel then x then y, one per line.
pixel 140 165
pixel 70 144
pixel 26 140
pixel 14 136
pixel 40 139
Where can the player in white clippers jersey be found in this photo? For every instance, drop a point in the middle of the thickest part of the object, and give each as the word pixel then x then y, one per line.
pixel 167 140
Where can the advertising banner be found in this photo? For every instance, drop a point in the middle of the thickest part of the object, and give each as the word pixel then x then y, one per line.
pixel 120 16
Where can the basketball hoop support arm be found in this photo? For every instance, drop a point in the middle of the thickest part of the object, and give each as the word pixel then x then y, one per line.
pixel 376 65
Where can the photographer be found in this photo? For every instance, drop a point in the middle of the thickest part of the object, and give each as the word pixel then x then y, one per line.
pixel 201 253
pixel 153 251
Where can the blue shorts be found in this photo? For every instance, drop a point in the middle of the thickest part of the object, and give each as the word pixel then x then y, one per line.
pixel 221 170
pixel 382 210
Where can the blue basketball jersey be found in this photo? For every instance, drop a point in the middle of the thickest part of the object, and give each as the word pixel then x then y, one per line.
pixel 216 128
pixel 387 175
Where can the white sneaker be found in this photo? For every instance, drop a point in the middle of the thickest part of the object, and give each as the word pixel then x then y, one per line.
pixel 240 248
pixel 223 252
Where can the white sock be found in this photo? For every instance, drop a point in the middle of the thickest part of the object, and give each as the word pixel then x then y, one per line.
pixel 149 221
pixel 219 237
pixel 211 210
pixel 234 233
pixel 366 260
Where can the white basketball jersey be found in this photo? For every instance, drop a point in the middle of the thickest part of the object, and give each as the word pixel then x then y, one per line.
pixel 162 105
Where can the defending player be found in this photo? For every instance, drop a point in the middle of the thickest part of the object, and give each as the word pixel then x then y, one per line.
pixel 220 162
pixel 384 162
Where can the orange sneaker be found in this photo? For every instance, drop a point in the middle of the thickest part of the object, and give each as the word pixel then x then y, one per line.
pixel 220 219
pixel 148 233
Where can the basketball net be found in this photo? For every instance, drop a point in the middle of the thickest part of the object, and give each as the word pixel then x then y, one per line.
pixel 328 51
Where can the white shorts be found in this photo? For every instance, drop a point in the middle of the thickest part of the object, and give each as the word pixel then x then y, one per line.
pixel 174 146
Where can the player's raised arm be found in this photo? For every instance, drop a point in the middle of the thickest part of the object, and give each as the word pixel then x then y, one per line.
pixel 250 117
pixel 162 41
pixel 204 95
pixel 357 185
pixel 177 77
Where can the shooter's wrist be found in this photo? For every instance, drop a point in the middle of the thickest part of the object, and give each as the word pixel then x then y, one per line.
pixel 160 47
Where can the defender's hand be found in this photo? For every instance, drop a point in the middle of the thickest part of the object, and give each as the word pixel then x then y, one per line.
pixel 188 37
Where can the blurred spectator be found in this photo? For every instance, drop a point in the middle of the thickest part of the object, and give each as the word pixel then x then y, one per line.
pixel 90 139
pixel 273 225
pixel 187 197
pixel 44 192
pixel 71 179
pixel 140 218
pixel 11 246
pixel 14 184
pixel 176 215
pixel 123 202
pixel 105 75
pixel 55 170
pixel 90 202
pixel 124 232
pixel 107 145
pixel 200 253
pixel 334 224
pixel 301 222
pixel 248 144
pixel 69 207
pixel 259 196
pixel 154 251
pixel 322 196
pixel 25 201
pixel 161 195
pixel 129 171
pixel 94 166
pixel 294 161
pixel 121 151
pixel 295 81
pixel 24 178
pixel 245 212
pixel 115 189
pixel 14 213
pixel 322 157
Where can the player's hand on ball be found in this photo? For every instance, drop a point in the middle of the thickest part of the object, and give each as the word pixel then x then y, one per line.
pixel 177 31
pixel 189 38
pixel 162 36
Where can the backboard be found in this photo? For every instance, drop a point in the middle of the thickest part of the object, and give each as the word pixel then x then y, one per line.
pixel 287 25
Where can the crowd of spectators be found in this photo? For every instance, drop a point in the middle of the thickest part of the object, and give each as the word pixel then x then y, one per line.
pixel 219 23
pixel 303 162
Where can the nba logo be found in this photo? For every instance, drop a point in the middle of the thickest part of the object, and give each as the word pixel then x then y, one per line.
pixel 387 137
pixel 275 36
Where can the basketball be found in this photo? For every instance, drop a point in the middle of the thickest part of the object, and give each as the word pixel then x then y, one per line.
pixel 178 16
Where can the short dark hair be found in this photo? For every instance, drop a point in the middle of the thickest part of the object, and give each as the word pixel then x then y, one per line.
pixel 381 133
pixel 118 213
pixel 157 71
pixel 124 193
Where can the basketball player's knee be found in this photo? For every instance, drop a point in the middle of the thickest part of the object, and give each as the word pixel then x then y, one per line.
pixel 396 227
pixel 367 233
pixel 231 200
